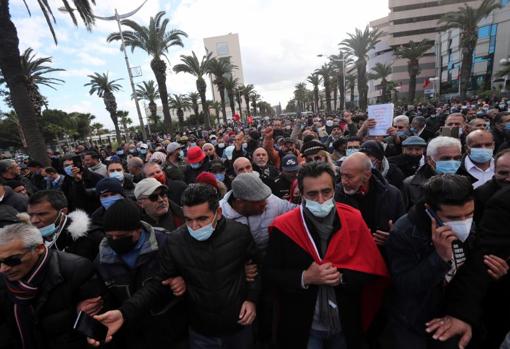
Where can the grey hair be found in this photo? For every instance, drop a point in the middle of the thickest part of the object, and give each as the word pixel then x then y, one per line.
pixel 403 118
pixel 6 164
pixel 30 235
pixel 135 162
pixel 442 142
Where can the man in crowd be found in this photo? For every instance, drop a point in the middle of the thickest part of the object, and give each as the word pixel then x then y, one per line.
pixel 197 163
pixel 419 128
pixel 242 165
pixel 158 210
pixel 364 188
pixel 283 183
pixel 175 186
pixel 260 161
pixel 135 168
pixel 479 162
pixel 92 161
pixel 36 175
pixel 374 150
pixel 413 149
pixel 173 167
pixel 10 170
pixel 55 284
pixel 319 284
pixel 9 197
pixel 63 230
pixel 208 248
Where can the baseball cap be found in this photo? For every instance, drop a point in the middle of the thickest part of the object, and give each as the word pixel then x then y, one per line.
pixel 147 186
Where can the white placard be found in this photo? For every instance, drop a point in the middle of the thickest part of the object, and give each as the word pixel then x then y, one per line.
pixel 383 115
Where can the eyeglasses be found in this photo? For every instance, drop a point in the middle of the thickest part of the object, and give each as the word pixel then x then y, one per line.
pixel 155 196
pixel 15 260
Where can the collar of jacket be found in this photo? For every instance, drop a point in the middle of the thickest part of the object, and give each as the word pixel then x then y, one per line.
pixel 108 256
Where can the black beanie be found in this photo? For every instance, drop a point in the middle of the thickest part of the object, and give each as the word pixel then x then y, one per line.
pixel 124 215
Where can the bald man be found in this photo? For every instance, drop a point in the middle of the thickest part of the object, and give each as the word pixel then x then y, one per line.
pixel 479 163
pixel 260 161
pixel 366 189
pixel 242 165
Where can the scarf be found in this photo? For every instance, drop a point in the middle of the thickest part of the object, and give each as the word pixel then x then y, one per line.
pixel 21 294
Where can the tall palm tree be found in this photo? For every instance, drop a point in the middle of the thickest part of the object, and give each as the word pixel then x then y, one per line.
pixel 254 96
pixel 325 71
pixel 12 71
pixel 191 65
pixel 466 19
pixel 334 86
pixel 351 84
pixel 155 40
pixel 193 98
pixel 231 85
pixel 239 96
pixel 216 106
pixel 339 63
pixel 412 52
pixel 96 128
pixel 125 120
pixel 358 45
pixel 381 72
pixel 300 95
pixel 220 68
pixel 148 91
pixel 247 91
pixel 103 87
pixel 315 80
pixel 180 103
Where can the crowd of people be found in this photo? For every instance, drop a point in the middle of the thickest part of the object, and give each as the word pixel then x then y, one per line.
pixel 289 232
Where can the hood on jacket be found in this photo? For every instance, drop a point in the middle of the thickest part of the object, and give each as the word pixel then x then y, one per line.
pixel 80 224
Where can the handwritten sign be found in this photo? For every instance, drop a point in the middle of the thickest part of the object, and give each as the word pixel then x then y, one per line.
pixel 383 115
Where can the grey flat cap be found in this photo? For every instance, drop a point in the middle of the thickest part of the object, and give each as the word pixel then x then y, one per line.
pixel 414 141
pixel 249 187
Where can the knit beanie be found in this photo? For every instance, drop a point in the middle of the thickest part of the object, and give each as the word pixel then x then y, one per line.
pixel 124 215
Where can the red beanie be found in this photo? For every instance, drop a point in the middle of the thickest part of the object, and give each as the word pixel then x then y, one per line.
pixel 208 178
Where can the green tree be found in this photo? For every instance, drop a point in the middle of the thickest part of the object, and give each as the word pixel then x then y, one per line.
pixel 412 52
pixel 351 84
pixel 315 79
pixel 82 124
pixel 254 96
pixel 325 71
pixel 231 85
pixel 180 103
pixel 247 91
pixel 300 96
pixel 191 65
pixel 155 40
pixel 357 45
pixel 381 72
pixel 339 63
pixel 96 128
pixel 216 106
pixel 193 98
pixel 466 19
pixel 220 68
pixel 12 71
pixel 239 96
pixel 147 91
pixel 125 120
pixel 103 87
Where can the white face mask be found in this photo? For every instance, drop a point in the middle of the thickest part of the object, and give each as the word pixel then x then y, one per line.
pixel 461 228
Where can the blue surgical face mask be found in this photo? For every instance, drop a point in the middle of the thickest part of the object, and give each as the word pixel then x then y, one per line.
pixel 181 154
pixel 120 152
pixel 204 233
pixel 402 134
pixel 50 229
pixel 481 155
pixel 106 202
pixel 195 166
pixel 413 130
pixel 320 210
pixel 143 151
pixel 447 166
pixel 351 151
pixel 193 144
pixel 69 170
pixel 117 175
pixel 220 176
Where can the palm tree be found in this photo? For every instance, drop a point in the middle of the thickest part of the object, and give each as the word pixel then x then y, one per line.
pixel 338 63
pixel 334 86
pixel 381 72
pixel 239 95
pixel 125 120
pixel 315 80
pixel 231 84
pixel 180 103
pixel 147 91
pixel 351 84
pixel 247 90
pixel 466 19
pixel 216 106
pixel 412 52
pixel 10 65
pixel 103 87
pixel 325 71
pixel 191 65
pixel 254 98
pixel 300 95
pixel 156 41
pixel 220 68
pixel 193 98
pixel 96 128
pixel 358 45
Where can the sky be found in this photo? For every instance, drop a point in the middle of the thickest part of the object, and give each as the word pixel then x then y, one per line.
pixel 279 39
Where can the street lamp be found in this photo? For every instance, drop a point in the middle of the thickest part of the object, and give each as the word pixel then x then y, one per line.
pixel 504 61
pixel 433 80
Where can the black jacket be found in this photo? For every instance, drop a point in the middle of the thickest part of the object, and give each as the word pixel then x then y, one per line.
pixel 268 174
pixel 167 320
pixel 8 215
pixel 406 164
pixel 82 195
pixel 69 280
pixel 172 220
pixel 214 274
pixel 382 203
pixel 281 187
pixel 482 195
pixel 175 189
pixel 190 174
pixel 17 201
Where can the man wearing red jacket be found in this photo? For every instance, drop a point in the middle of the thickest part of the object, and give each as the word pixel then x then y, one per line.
pixel 325 267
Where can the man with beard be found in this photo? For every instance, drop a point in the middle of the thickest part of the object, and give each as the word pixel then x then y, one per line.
pixel 410 160
pixel 175 187
pixel 268 173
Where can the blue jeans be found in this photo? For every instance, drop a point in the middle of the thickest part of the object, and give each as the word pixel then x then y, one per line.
pixel 324 340
pixel 239 340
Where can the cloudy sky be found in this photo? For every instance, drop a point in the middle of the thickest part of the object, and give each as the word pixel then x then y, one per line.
pixel 280 41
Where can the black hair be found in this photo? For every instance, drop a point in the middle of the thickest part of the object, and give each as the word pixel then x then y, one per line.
pixel 354 139
pixel 501 153
pixel 198 193
pixel 114 162
pixel 499 116
pixel 339 142
pixel 448 189
pixel 314 169
pixel 93 154
pixel 33 163
pixel 309 138
pixel 50 170
pixel 56 198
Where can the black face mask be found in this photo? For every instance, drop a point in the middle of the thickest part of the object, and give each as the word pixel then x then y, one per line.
pixel 412 158
pixel 122 245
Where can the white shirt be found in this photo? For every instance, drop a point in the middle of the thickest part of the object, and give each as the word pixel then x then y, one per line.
pixel 478 173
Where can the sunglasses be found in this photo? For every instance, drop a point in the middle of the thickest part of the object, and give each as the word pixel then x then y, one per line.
pixel 155 196
pixel 13 261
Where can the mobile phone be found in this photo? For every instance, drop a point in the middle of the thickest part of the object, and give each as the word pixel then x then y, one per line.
pixel 90 327
pixel 434 216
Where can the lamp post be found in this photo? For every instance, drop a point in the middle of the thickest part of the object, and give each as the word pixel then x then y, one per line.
pixel 433 80
pixel 118 18
pixel 504 61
